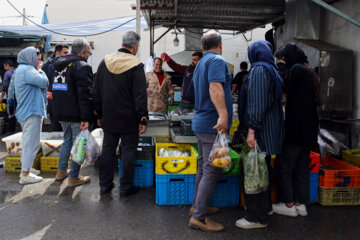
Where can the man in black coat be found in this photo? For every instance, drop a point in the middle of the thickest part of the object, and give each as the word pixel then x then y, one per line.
pixel 120 101
pixel 48 68
pixel 72 105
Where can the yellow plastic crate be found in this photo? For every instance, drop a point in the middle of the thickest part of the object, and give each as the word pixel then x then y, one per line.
pixel 176 165
pixel 234 126
pixel 235 123
pixel 50 164
pixel 232 131
pixel 352 156
pixel 2 107
pixel 13 164
pixel 162 139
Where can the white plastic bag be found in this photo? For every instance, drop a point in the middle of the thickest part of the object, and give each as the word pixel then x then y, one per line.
pixel 149 65
pixel 220 153
pixel 255 171
pixel 85 149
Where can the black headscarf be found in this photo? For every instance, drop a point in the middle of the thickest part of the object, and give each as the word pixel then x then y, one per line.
pixel 293 54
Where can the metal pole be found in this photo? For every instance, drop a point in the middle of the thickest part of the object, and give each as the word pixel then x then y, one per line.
pixel 151 35
pixel 337 12
pixel 138 23
pixel 24 14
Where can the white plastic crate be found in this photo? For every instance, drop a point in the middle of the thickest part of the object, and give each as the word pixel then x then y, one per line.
pixel 14 143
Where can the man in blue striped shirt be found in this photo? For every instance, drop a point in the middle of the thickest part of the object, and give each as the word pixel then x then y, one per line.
pixel 213 114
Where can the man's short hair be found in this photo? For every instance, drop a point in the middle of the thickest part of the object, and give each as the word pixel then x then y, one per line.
pixel 8 62
pixel 210 40
pixel 79 46
pixel 243 65
pixel 198 54
pixel 59 47
pixel 130 39
pixel 157 58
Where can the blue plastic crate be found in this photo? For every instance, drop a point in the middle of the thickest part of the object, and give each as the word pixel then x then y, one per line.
pixel 144 173
pixel 314 183
pixel 227 192
pixel 174 189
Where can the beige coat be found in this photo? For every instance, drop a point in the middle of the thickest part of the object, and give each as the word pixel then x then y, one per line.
pixel 157 101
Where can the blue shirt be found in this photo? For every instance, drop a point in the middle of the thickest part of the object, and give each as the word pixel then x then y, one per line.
pixel 211 68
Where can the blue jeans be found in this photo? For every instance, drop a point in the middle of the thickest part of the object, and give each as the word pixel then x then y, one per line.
pixel 71 130
pixel 31 128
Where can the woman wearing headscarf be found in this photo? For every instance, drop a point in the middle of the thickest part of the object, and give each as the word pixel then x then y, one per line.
pixel 261 116
pixel 29 85
pixel 301 130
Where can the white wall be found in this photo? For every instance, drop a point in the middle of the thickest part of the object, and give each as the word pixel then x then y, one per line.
pixel 69 11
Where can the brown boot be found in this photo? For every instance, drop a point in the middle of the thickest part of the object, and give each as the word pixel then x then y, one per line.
pixel 208 226
pixel 211 210
pixel 61 175
pixel 74 182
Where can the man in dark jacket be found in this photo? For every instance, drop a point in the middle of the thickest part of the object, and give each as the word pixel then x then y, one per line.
pixel 48 68
pixel 121 104
pixel 72 104
pixel 187 89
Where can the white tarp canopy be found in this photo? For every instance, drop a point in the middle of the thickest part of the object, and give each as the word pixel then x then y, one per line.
pixel 75 29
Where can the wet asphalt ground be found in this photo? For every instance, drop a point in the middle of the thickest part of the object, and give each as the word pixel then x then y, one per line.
pixel 50 210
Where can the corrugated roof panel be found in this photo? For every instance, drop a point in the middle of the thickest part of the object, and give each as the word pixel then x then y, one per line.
pixel 239 15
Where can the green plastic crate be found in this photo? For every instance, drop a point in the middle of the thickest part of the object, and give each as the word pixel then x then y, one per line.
pixel 170 108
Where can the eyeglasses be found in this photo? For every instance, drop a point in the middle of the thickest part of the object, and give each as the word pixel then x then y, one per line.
pixel 90 53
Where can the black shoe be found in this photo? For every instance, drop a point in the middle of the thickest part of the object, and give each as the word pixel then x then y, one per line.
pixel 106 190
pixel 131 191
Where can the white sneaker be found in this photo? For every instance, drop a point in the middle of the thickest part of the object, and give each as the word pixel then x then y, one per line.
pixel 282 209
pixel 245 224
pixel 33 171
pixel 31 178
pixel 301 210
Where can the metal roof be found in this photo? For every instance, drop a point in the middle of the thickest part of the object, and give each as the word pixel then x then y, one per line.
pixel 237 15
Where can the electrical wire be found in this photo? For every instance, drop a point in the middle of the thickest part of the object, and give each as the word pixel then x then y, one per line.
pixel 65 34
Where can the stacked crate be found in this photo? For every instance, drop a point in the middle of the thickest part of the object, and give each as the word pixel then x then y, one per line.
pixel 13 164
pixel 144 164
pixel 175 176
pixel 314 176
pixel 339 183
pixel 352 156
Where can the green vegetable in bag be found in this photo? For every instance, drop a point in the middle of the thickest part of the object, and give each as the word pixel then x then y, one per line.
pixel 255 170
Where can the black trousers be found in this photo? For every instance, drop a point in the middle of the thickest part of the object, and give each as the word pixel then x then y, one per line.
pixel 292 174
pixel 258 205
pixel 12 121
pixel 129 143
pixel 55 125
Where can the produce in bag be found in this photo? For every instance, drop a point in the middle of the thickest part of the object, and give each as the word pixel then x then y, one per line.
pixel 173 153
pixel 220 154
pixel 92 151
pixel 255 170
pixel 85 149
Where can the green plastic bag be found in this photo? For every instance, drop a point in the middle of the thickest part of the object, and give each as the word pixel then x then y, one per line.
pixel 255 171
